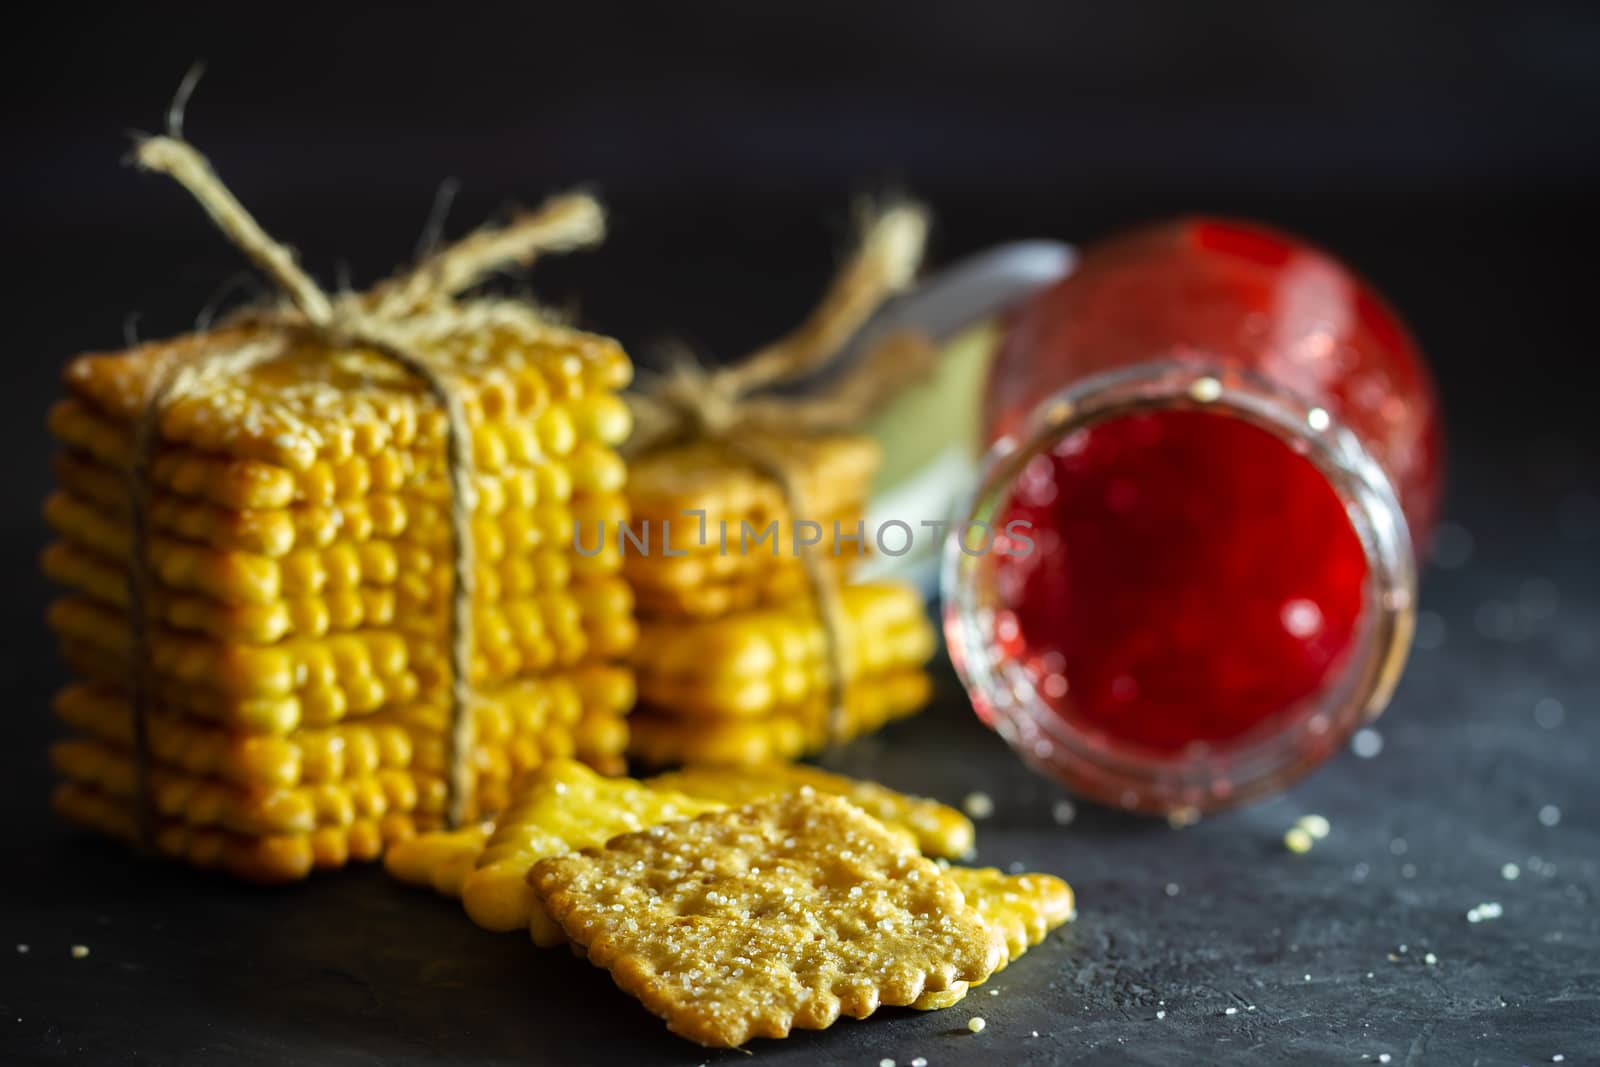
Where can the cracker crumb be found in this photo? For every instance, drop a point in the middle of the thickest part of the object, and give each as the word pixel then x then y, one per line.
pixel 1161 1014
pixel 920 1061
pixel 1178 818
pixel 1510 872
pixel 1063 812
pixel 1549 815
pixel 1384 1057
pixel 1431 960
pixel 976 1024
pixel 79 951
pixel 1231 1011
pixel 886 1062
pixel 1298 840
pixel 1173 889
pixel 979 805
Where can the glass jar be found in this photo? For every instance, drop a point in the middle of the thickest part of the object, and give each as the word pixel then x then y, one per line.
pixel 1216 451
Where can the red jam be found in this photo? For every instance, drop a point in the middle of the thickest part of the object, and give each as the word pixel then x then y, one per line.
pixel 1194 578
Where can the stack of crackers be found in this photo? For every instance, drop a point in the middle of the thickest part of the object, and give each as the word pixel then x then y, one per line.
pixel 738 903
pixel 733 661
pixel 299 554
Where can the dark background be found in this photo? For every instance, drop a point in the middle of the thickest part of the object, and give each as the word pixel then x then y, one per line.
pixel 1450 151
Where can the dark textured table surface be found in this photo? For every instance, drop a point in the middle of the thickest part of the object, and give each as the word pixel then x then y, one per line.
pixel 1207 943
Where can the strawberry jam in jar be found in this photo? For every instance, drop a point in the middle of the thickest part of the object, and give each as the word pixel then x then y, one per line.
pixel 1216 451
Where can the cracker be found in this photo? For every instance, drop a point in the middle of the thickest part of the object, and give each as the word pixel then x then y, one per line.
pixel 835 474
pixel 661 737
pixel 564 806
pixel 270 859
pixel 938 830
pixel 752 922
pixel 440 860
pixel 1021 908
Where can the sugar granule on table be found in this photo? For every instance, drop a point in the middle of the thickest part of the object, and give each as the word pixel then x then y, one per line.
pixel 1549 815
pixel 79 951
pixel 1063 812
pixel 1316 825
pixel 1490 909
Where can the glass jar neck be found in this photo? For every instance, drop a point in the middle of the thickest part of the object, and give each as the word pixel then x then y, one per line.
pixel 1203 776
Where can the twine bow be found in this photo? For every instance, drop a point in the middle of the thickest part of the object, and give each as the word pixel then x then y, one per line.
pixel 737 405
pixel 402 320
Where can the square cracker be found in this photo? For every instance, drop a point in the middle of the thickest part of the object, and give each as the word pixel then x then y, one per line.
pixel 1021 908
pixel 939 830
pixel 564 806
pixel 783 914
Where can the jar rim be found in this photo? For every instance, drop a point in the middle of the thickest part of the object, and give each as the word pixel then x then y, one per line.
pixel 1204 777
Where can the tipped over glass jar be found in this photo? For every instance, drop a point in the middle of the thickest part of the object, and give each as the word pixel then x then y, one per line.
pixel 1224 451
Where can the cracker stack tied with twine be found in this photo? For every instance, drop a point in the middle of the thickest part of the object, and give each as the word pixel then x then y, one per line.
pixel 753 645
pixel 323 589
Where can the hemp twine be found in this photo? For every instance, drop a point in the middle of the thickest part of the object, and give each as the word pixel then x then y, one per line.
pixel 734 406
pixel 399 320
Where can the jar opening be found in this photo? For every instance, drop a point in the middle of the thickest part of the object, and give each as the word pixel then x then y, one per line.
pixel 1216 590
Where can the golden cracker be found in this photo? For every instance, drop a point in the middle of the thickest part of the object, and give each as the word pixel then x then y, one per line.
pixel 664 736
pixel 1021 908
pixel 439 860
pixel 779 915
pixel 562 807
pixel 272 858
pixel 835 474
pixel 663 740
pixel 939 830
pixel 311 401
